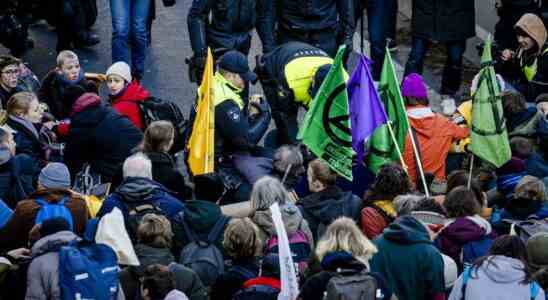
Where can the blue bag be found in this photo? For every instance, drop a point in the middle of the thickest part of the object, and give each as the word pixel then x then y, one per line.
pixel 53 210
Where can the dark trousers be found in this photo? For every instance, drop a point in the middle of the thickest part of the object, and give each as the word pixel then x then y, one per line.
pixel 323 39
pixel 452 72
pixel 284 113
pixel 72 24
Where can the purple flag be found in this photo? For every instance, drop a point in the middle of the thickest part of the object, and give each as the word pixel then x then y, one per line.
pixel 366 110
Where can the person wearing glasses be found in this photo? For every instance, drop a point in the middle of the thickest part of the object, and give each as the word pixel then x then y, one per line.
pixel 9 78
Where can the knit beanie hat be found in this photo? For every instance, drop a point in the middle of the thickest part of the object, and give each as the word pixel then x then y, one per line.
pixel 55 176
pixel 413 86
pixel 121 69
pixel 54 225
pixel 536 249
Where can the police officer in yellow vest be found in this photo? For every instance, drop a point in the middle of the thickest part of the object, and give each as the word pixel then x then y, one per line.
pixel 291 75
pixel 530 60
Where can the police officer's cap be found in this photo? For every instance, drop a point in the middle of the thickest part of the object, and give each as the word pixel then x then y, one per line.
pixel 235 62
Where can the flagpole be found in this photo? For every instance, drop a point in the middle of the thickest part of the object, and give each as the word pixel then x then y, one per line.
pixel 393 136
pixel 470 175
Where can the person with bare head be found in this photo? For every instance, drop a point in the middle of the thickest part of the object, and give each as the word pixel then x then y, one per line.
pixel 288 165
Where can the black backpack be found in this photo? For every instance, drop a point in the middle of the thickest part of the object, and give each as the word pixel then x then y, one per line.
pixel 155 109
pixel 136 212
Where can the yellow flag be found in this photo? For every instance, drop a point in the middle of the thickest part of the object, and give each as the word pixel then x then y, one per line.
pixel 201 144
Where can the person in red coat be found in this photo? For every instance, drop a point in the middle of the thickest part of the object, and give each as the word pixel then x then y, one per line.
pixel 125 93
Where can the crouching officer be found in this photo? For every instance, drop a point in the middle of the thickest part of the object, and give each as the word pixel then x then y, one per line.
pixel 236 133
pixel 291 75
pixel 229 28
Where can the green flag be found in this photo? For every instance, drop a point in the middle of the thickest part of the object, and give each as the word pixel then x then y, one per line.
pixel 381 144
pixel 326 127
pixel 489 138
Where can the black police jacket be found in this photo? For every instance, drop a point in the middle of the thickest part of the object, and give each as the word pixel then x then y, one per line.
pixel 229 27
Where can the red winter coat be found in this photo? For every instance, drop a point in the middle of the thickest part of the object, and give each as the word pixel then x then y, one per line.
pixel 127 103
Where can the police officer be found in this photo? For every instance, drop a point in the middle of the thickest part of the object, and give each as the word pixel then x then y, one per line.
pixel 325 24
pixel 236 133
pixel 229 29
pixel 290 76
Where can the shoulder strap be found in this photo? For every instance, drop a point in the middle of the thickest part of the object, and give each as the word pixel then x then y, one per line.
pixel 41 201
pixel 535 288
pixel 217 229
pixel 189 233
pixel 465 278
pixel 63 201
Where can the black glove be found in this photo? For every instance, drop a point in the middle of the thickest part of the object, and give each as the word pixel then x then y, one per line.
pixel 196 65
pixel 262 105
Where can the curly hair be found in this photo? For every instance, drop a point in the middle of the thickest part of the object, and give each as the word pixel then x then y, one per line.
pixel 241 239
pixel 391 181
pixel 461 202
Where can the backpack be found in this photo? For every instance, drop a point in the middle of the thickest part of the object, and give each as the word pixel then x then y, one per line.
pixel 88 271
pixel 533 286
pixel 528 228
pixel 257 292
pixel 53 210
pixel 155 109
pixel 203 256
pixel 352 285
pixel 299 247
pixel 86 180
pixel 135 215
pixel 475 249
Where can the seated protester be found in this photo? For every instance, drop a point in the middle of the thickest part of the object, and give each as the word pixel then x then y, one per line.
pixel 405 204
pixel 378 211
pixel 267 191
pixel 521 121
pixel 465 236
pixel 203 212
pixel 241 245
pixel 53 189
pixel 528 201
pixel 535 165
pixel 433 132
pixel 100 137
pixel 67 73
pixel 139 189
pixel 267 286
pixel 407 258
pixel 461 177
pixel 16 171
pixel 508 176
pixel 157 142
pixel 24 115
pixel 158 283
pixel 327 201
pixel 343 250
pixel 154 237
pixel 125 93
pixel 9 78
pixel 538 258
pixel 526 67
pixel 288 159
pixel 502 275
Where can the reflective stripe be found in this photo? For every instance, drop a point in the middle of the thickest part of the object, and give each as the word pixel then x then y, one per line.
pixel 531 71
pixel 224 90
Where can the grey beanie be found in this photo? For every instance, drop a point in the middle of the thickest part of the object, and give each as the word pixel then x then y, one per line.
pixel 55 176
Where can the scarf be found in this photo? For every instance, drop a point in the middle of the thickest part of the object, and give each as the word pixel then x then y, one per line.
pixel 65 82
pixel 27 124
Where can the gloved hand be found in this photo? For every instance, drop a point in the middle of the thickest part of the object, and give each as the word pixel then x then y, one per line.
pixel 196 65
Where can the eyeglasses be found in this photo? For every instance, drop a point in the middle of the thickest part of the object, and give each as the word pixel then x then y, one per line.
pixel 13 72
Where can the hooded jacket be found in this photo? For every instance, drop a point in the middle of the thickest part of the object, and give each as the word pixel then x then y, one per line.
pixel 99 136
pixel 127 104
pixel 293 221
pixel 43 272
pixel 186 280
pixel 234 277
pixel 499 277
pixel 435 135
pixel 15 233
pixel 138 190
pixel 409 261
pixel 164 172
pixel 16 176
pixel 322 208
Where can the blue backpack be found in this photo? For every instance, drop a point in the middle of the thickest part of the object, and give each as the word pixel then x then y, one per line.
pixel 475 249
pixel 533 286
pixel 53 210
pixel 88 271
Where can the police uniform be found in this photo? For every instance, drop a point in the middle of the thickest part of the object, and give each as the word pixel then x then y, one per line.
pixel 324 24
pixel 286 75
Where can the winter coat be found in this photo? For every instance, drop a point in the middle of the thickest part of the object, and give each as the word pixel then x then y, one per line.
pixel 524 124
pixel 52 92
pixel 15 233
pixel 536 166
pixel 458 232
pixel 137 191
pixel 436 19
pixel 293 221
pixel 186 280
pixel 522 209
pixel 5 95
pixel 268 282
pixel 376 216
pixel 164 172
pixel 315 286
pixel 411 264
pixel 16 176
pixel 127 104
pixel 99 136
pixel 232 280
pixel 435 135
pixel 43 272
pixel 27 142
pixel 322 208
pixel 176 295
pixel 499 277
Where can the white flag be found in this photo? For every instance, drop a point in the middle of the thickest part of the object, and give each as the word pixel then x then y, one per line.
pixel 290 285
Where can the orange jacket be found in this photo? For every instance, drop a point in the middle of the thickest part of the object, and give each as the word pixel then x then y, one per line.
pixel 435 135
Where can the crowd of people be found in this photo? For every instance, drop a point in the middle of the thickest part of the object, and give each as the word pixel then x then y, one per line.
pixel 96 202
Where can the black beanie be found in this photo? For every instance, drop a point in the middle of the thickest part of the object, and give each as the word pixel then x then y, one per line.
pixel 208 187
pixel 53 225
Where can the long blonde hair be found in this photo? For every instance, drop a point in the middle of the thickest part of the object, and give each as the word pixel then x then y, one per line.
pixel 344 235
pixel 18 104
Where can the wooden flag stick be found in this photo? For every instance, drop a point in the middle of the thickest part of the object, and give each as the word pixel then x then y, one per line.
pixel 393 136
pixel 470 175
pixel 419 163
